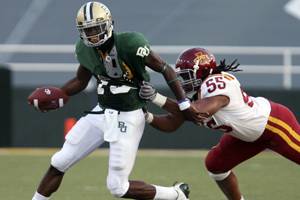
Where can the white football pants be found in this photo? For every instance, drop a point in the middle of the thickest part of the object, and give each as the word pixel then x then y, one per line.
pixel 123 130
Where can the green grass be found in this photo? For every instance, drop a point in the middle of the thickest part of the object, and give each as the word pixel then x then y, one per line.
pixel 265 177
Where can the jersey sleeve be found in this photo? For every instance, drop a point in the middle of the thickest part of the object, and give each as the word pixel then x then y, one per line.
pixel 220 84
pixel 137 48
pixel 139 45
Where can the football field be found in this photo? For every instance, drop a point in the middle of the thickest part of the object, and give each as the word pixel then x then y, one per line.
pixel 265 177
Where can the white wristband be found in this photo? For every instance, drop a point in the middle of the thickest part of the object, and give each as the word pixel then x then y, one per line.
pixel 185 104
pixel 159 100
pixel 149 117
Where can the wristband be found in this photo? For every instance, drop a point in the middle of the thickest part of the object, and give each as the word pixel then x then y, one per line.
pixel 159 100
pixel 149 117
pixel 184 104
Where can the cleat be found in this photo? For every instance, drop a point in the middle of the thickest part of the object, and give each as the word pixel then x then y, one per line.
pixel 183 191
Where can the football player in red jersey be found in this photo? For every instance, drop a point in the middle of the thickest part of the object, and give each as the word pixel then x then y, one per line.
pixel 250 124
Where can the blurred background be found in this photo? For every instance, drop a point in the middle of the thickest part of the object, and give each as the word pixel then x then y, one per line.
pixel 37 40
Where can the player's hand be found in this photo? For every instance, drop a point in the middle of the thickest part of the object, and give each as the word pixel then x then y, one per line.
pixel 47 98
pixel 192 114
pixel 147 91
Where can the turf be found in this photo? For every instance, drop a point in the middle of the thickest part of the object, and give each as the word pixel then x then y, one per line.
pixel 265 177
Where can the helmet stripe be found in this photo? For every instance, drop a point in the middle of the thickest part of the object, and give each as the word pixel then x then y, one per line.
pixel 91 10
pixel 84 12
pixel 88 11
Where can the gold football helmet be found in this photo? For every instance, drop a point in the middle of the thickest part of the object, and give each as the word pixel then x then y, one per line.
pixel 94 23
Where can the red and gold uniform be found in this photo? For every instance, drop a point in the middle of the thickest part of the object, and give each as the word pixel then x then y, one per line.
pixel 250 125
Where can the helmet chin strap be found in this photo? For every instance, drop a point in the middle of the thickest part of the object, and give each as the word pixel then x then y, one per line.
pixel 191 94
pixel 106 36
pixel 195 68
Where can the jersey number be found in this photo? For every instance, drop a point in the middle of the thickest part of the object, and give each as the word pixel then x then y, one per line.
pixel 247 99
pixel 214 83
pixel 213 125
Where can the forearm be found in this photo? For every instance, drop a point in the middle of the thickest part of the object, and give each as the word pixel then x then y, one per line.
pixel 73 87
pixel 171 106
pixel 166 103
pixel 157 64
pixel 78 83
pixel 175 85
pixel 165 123
pixel 173 82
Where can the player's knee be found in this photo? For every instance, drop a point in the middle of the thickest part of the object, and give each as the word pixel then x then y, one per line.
pixel 219 176
pixel 117 186
pixel 62 160
pixel 211 163
pixel 215 167
pixel 214 163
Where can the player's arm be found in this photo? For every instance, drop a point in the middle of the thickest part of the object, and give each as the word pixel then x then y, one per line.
pixel 50 98
pixel 148 92
pixel 174 119
pixel 206 106
pixel 79 82
pixel 156 63
pixel 211 105
pixel 166 123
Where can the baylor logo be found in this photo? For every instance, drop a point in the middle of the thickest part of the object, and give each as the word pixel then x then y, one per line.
pixel 122 126
pixel 143 51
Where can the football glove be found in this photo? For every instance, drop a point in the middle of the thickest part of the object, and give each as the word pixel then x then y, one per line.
pixel 147 91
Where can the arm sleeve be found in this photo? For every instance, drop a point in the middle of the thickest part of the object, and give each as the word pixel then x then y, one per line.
pixel 138 49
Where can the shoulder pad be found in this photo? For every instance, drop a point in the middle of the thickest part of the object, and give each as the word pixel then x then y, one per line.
pixel 215 85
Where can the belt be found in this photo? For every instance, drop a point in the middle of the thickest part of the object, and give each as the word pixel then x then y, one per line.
pixel 96 112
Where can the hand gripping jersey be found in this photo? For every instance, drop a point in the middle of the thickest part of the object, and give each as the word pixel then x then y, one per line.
pixel 120 71
pixel 245 117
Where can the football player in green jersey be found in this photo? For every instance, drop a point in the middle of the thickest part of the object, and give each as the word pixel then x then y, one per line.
pixel 117 61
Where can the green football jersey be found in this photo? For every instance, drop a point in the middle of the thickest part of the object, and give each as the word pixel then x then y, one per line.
pixel 120 71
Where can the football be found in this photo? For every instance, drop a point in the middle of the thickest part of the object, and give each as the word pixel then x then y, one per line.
pixel 47 98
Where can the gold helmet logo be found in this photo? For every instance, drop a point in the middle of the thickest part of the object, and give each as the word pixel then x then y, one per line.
pixel 201 58
pixel 94 20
